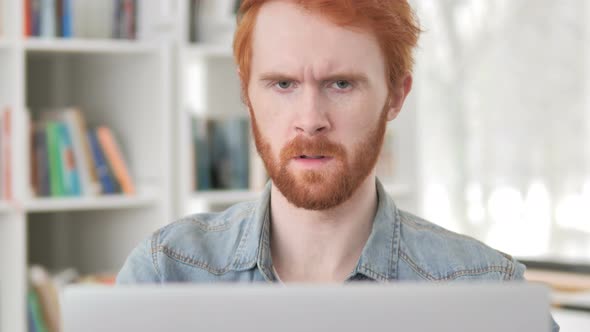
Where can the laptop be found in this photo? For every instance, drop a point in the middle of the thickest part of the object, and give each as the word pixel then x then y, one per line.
pixel 510 307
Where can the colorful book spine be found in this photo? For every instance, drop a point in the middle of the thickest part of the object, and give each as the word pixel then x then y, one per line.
pixel 41 161
pixel 75 121
pixel 58 15
pixel 56 183
pixel 48 27
pixel 67 24
pixel 69 168
pixel 202 157
pixel 28 21
pixel 115 159
pixel 102 169
pixel 36 17
pixel 36 312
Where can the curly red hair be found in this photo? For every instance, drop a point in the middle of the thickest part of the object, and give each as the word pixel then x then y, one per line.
pixel 392 21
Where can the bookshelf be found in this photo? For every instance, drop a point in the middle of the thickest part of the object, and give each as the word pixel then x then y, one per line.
pixel 122 84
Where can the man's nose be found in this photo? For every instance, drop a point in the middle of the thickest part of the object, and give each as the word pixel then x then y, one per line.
pixel 312 116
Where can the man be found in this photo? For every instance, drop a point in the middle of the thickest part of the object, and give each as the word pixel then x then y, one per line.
pixel 321 79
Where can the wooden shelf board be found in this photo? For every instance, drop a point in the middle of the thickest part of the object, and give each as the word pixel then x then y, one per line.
pixel 225 196
pixel 89 46
pixel 106 202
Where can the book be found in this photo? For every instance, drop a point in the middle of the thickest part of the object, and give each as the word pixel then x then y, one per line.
pixel 230 154
pixel 193 19
pixel 35 312
pixel 77 125
pixel 100 164
pixel 201 162
pixel 222 153
pixel 238 153
pixel 28 21
pixel 67 25
pixel 48 295
pixel 47 12
pixel 56 183
pixel 36 17
pixel 115 159
pixel 41 182
pixel 125 18
pixel 57 17
pixel 70 175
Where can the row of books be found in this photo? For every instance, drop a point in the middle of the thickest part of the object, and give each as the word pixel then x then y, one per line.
pixel 68 159
pixel 74 18
pixel 43 296
pixel 221 153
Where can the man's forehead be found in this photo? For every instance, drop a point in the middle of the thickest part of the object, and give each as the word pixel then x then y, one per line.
pixel 288 36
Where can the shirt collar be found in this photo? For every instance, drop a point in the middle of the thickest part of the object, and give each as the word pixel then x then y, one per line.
pixel 378 259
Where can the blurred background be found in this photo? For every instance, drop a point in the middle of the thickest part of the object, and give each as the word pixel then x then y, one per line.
pixel 120 116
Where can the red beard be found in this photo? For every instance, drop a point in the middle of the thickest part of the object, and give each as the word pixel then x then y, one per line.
pixel 325 189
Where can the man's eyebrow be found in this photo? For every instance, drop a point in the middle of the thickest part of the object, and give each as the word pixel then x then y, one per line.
pixel 346 76
pixel 276 76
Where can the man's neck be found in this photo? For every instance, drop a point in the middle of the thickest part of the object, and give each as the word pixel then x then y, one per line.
pixel 321 246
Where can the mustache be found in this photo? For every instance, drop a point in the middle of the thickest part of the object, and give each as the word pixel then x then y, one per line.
pixel 320 146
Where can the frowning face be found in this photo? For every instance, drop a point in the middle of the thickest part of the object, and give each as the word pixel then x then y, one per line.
pixel 318 100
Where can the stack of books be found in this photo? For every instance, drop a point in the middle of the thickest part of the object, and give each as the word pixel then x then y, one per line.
pixel 70 160
pixel 43 296
pixel 73 18
pixel 221 153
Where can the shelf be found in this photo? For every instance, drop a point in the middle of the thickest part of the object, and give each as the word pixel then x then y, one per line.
pixel 208 50
pixel 38 205
pixel 82 46
pixel 225 197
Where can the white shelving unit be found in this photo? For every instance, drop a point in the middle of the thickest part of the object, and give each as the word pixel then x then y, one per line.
pixel 125 85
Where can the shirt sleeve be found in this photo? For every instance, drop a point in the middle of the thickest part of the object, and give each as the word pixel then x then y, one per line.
pixel 140 266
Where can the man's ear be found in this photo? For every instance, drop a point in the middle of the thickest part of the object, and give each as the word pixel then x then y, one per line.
pixel 398 96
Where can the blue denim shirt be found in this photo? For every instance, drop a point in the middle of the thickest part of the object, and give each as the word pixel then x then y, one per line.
pixel 234 246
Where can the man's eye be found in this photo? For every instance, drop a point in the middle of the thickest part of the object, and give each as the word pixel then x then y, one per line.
pixel 342 84
pixel 284 84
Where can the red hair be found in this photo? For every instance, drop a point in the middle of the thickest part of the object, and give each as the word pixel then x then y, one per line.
pixel 392 21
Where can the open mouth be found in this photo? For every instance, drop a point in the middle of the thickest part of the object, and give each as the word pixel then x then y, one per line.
pixel 311 157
